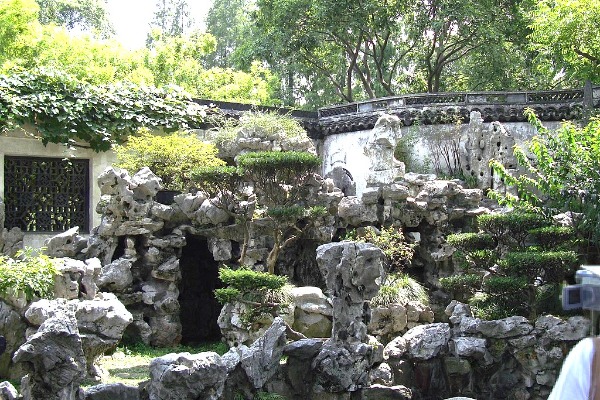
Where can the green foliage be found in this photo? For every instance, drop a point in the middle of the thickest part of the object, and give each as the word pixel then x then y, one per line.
pixel 539 266
pixel 70 112
pixel 280 166
pixel 247 280
pixel 400 289
pixel 564 34
pixel 471 241
pixel 76 14
pixel 462 286
pixel 30 273
pixel 511 227
pixel 491 308
pixel 562 175
pixel 264 293
pixel 268 396
pixel 552 237
pixel 227 295
pixel 391 241
pixel 171 157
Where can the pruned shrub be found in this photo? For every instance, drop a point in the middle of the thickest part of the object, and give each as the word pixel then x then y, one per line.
pixel 554 237
pixel 462 286
pixel 471 241
pixel 512 227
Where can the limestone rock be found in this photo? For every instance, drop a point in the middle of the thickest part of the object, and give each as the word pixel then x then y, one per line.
pixel 381 392
pixel 506 328
pixel 556 329
pixel 427 341
pixel 187 376
pixel 113 391
pixel 101 322
pixel 12 327
pixel 312 315
pixel 260 361
pixel 76 279
pixel 116 276
pixel 388 322
pixel 145 184
pixel 353 272
pixel 54 359
pixel 354 212
pixel 66 244
pixel 8 391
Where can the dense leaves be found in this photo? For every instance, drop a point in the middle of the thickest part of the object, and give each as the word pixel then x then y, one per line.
pixel 65 110
pixel 171 157
pixel 563 175
pixel 28 273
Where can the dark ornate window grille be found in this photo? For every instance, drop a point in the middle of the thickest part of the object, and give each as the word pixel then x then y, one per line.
pixel 46 194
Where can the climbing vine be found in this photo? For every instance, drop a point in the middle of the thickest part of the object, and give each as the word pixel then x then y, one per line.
pixel 68 111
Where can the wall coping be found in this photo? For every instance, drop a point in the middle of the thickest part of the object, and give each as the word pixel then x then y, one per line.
pixel 435 108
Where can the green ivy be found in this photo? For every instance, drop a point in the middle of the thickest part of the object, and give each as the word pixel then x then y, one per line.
pixel 67 111
pixel 30 273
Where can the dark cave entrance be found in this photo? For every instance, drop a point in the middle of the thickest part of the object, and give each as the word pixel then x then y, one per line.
pixel 199 277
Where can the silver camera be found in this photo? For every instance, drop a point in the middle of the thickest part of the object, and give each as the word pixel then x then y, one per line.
pixel 586 293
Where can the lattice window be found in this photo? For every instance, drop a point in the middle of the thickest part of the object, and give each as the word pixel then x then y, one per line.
pixel 46 194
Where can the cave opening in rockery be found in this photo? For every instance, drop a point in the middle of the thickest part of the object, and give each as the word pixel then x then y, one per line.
pixel 199 308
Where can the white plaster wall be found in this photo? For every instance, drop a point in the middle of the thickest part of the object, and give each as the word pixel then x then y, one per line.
pixel 348 148
pixel 22 143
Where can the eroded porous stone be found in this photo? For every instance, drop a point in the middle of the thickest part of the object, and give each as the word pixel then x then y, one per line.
pixel 66 244
pixel 187 376
pixel 313 312
pixel 8 391
pixel 353 272
pixel 13 328
pixel 112 391
pixel 101 322
pixel 53 358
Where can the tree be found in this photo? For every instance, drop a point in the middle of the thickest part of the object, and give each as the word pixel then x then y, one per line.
pixel 87 15
pixel 359 46
pixel 229 22
pixel 560 173
pixel 171 18
pixel 278 179
pixel 25 44
pixel 565 33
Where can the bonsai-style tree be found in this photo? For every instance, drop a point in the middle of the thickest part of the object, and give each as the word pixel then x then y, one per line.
pixel 171 157
pixel 225 188
pixel 522 258
pixel 279 179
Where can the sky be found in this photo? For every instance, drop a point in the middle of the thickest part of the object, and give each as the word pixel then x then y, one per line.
pixel 130 18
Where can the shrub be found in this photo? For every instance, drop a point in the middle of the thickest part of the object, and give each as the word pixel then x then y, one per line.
pixel 512 227
pixel 461 286
pixel 391 241
pixel 263 292
pixel 30 273
pixel 562 169
pixel 539 266
pixel 552 237
pixel 400 289
pixel 471 241
pixel 171 157
pixel 247 280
